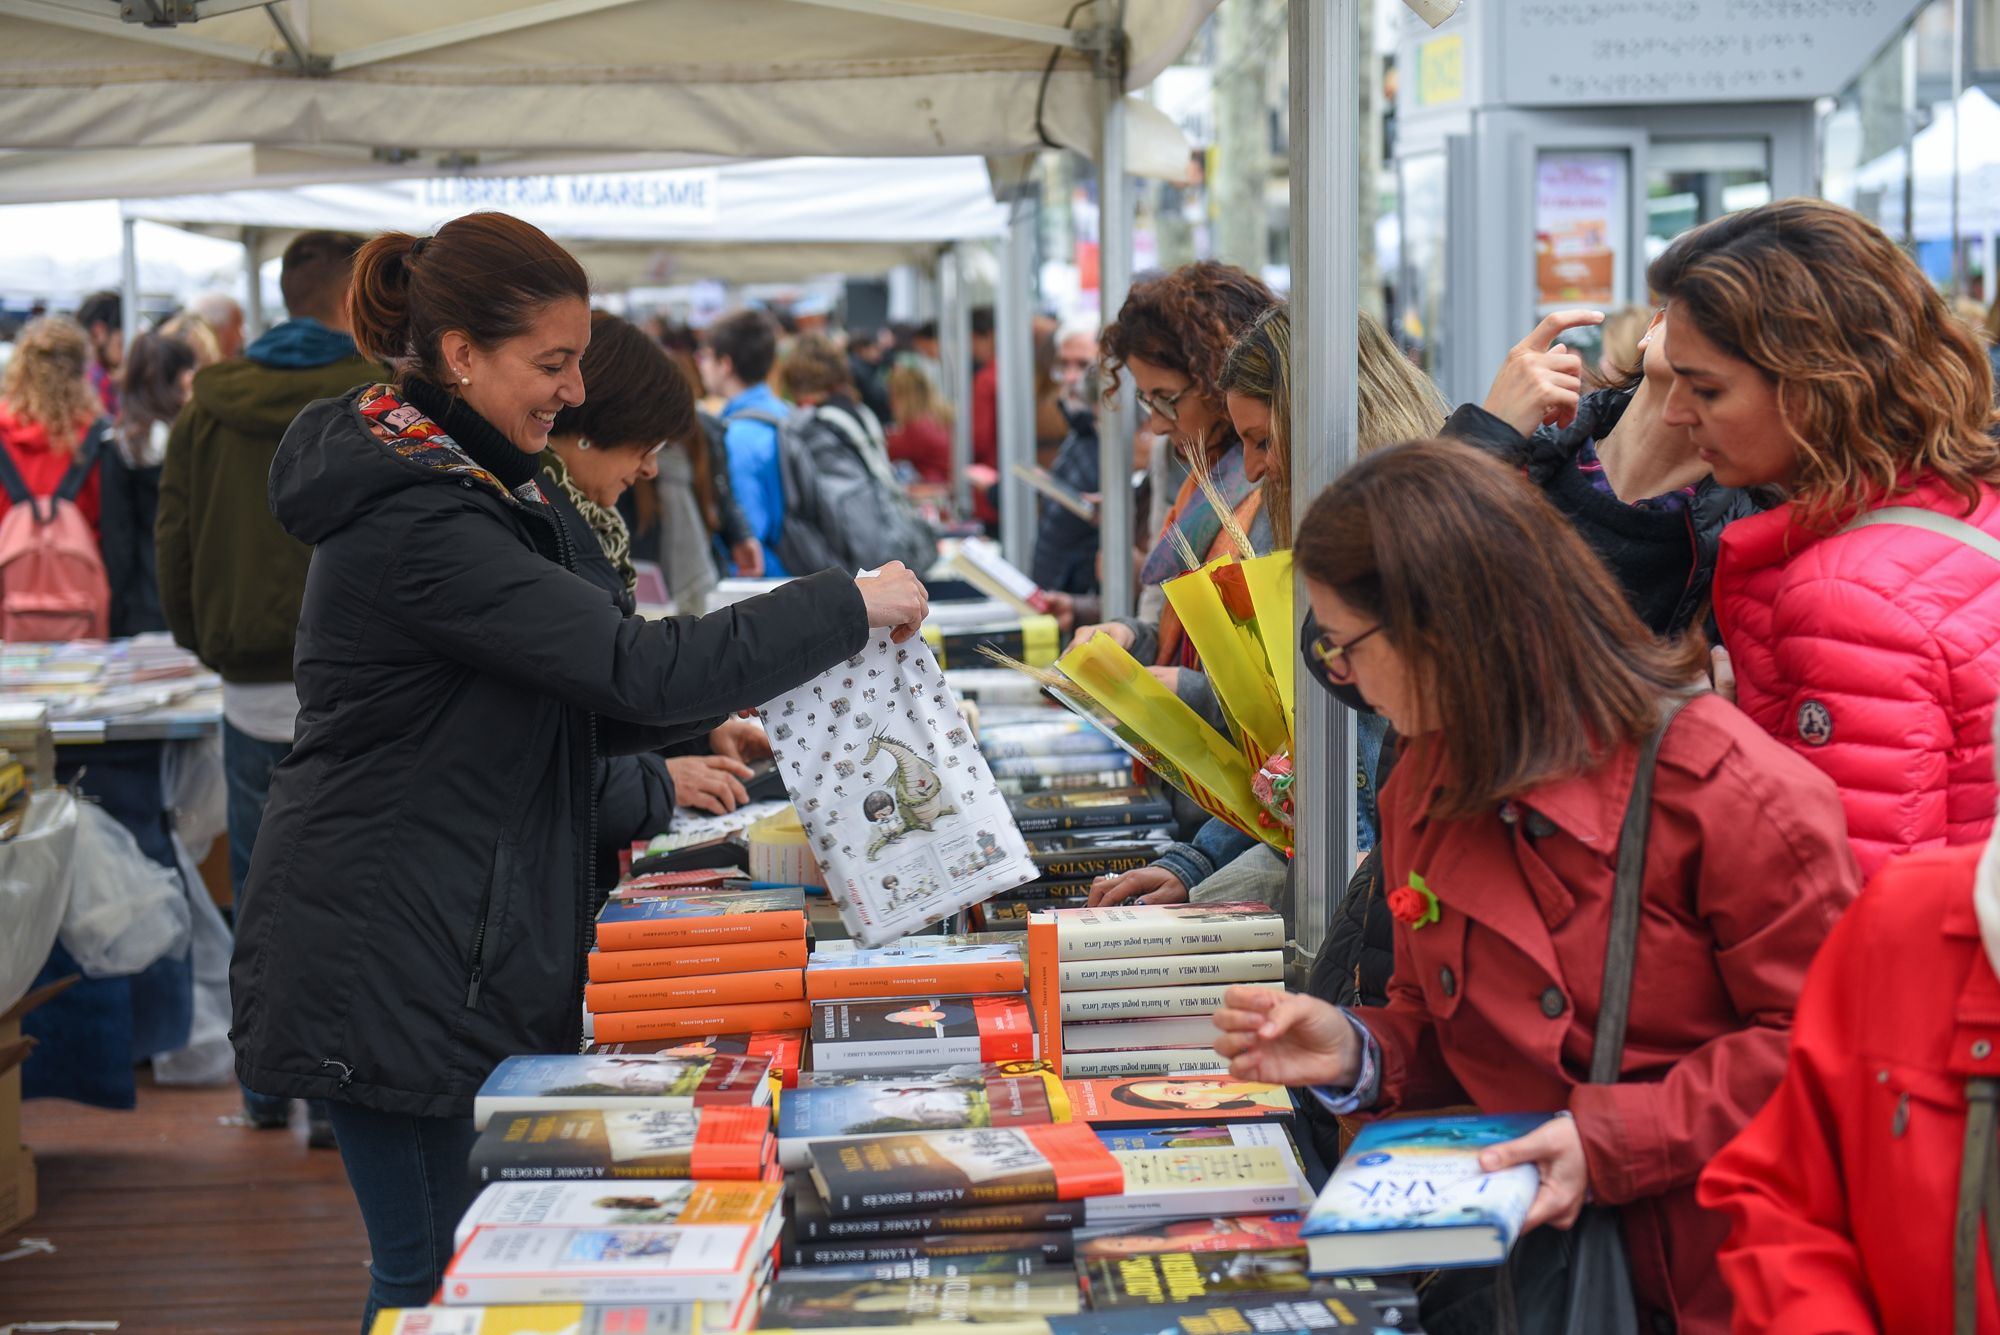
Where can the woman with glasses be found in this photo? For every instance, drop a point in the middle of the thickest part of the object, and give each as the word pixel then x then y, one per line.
pixel 1453 598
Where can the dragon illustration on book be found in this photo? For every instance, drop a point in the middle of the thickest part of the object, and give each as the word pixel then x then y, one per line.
pixel 918 797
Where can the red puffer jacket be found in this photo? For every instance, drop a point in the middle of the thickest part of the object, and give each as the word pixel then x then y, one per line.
pixel 1874 653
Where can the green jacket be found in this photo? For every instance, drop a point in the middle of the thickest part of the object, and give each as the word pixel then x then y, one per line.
pixel 231 579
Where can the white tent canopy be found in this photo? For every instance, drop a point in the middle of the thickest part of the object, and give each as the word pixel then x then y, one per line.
pixel 1978 168
pixel 747 221
pixel 450 81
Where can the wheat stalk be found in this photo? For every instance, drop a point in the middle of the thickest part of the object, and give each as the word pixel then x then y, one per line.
pixel 1045 676
pixel 1204 479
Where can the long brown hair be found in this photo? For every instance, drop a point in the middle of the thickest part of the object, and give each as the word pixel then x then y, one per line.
pixel 1877 382
pixel 1185 321
pixel 44 383
pixel 486 275
pixel 1521 646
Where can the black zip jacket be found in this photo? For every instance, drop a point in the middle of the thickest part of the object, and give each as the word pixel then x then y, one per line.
pixel 1665 562
pixel 421 904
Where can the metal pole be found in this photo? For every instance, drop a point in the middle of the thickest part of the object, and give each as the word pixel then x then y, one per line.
pixel 955 352
pixel 253 300
pixel 1014 350
pixel 1114 279
pixel 1325 270
pixel 128 280
pixel 1957 118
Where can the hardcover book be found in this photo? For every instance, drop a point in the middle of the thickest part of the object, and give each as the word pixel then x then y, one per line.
pixel 1409 1195
pixel 1172 1100
pixel 916 966
pixel 1100 809
pixel 1139 1003
pixel 1142 1062
pixel 625 966
pixel 728 1143
pixel 1219 1233
pixel 578 1080
pixel 596 1205
pixel 642 1263
pixel 1157 1278
pixel 1210 968
pixel 785 1048
pixel 922 1295
pixel 692 1021
pixel 1360 1303
pixel 1167 929
pixel 914 1032
pixel 899 1175
pixel 919 1102
pixel 703 919
pixel 812 1221
pixel 1063 783
pixel 1084 863
pixel 713 989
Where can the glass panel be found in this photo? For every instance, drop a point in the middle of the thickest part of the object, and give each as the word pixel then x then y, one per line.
pixel 1693 181
pixel 1417 292
pixel 1582 222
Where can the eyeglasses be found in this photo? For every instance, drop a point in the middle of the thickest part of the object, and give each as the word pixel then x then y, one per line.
pixel 1332 656
pixel 1163 404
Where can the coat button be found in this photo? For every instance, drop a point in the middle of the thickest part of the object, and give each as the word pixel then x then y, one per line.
pixel 1552 1002
pixel 1448 981
pixel 1981 1050
pixel 1540 826
pixel 1509 813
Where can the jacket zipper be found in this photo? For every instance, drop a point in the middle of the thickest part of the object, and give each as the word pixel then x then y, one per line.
pixel 479 945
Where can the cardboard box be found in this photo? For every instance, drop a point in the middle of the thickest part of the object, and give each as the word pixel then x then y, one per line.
pixel 17 1164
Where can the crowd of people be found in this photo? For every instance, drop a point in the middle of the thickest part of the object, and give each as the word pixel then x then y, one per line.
pixel 1698 636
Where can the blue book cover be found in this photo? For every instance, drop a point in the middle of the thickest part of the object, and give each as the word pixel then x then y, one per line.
pixel 721 903
pixel 1409 1194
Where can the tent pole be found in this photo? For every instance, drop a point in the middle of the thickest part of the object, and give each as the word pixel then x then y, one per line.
pixel 1013 329
pixel 128 279
pixel 1957 119
pixel 1325 275
pixel 955 355
pixel 1114 415
pixel 253 262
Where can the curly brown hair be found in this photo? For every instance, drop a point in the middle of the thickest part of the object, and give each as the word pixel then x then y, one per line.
pixel 1877 382
pixel 1186 321
pixel 45 383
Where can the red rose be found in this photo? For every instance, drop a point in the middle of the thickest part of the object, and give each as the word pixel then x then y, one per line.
pixel 1406 905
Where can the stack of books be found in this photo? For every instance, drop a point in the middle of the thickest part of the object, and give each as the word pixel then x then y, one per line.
pixel 919 1005
pixel 1131 991
pixel 1051 751
pixel 1068 863
pixel 679 958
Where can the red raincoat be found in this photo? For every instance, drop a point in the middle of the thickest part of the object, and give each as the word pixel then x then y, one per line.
pixel 1841 1193
pixel 1495 1004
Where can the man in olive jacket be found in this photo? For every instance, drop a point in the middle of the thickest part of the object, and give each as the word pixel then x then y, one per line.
pixel 231 579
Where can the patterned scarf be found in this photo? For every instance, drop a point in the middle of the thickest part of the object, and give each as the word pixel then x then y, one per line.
pixel 606 524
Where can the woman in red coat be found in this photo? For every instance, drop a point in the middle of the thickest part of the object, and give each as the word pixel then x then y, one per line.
pixel 1524 685
pixel 1811 354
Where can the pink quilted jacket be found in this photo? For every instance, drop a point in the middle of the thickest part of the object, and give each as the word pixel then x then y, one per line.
pixel 1876 654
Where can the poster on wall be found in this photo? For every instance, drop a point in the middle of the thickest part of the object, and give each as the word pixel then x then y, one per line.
pixel 1581 228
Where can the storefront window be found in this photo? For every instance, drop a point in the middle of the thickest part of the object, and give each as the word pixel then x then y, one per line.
pixel 1693 181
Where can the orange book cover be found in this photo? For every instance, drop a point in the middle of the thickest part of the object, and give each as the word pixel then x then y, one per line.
pixel 1083 1166
pixel 625 966
pixel 720 989
pixel 700 920
pixel 681 1021
pixel 732 1144
pixel 1045 980
pixel 915 979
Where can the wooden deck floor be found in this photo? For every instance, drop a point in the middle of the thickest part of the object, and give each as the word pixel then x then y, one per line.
pixel 175 1217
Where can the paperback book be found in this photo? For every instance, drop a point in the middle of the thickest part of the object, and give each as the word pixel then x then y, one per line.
pixel 1083 862
pixel 661 884
pixel 1145 930
pixel 702 919
pixel 713 989
pixel 579 1080
pixel 1141 1062
pixel 1226 967
pixel 1172 1100
pixel 917 1102
pixel 1409 1195
pixel 731 1144
pixel 1139 1003
pixel 595 1205
pixel 693 1021
pixel 1123 1035
pixel 912 1033
pixel 784 1047
pixel 1100 809
pixel 914 967
pixel 895 1175
pixel 565 1319
pixel 812 1221
pixel 641 1263
pixel 625 966
pixel 1055 1247
pixel 926 1294
pixel 1157 1278
pixel 1220 1233
pixel 1194 1170
pixel 1116 777
pixel 1360 1303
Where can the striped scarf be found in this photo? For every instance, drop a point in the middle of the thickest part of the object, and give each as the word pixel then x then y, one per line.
pixel 606 524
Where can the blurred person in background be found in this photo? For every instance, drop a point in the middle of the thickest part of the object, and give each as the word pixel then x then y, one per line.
pixel 231 580
pixel 1618 345
pixel 191 328
pixel 735 360
pixel 102 316
pixel 1066 544
pixel 871 373
pixel 225 317
pixel 48 410
pixel 154 386
pixel 1052 424
pixel 921 436
pixel 693 504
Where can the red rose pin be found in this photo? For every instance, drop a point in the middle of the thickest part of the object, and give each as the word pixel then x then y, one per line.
pixel 1414 905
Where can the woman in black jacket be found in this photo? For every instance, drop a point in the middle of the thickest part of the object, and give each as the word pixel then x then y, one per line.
pixel 421 896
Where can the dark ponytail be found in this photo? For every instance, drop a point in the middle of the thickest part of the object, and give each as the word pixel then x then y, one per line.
pixel 486 275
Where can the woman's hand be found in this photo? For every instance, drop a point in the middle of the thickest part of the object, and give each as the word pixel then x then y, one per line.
pixel 1145 885
pixel 1722 673
pixel 1061 606
pixel 1555 1148
pixel 709 783
pixel 895 598
pixel 740 741
pixel 1117 632
pixel 1541 380
pixel 749 558
pixel 1169 677
pixel 1286 1038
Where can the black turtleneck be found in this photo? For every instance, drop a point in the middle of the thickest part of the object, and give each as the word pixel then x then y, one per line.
pixel 479 437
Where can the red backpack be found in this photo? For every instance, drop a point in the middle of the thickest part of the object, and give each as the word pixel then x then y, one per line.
pixel 52 581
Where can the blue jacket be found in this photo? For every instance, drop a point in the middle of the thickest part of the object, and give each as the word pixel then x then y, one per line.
pixel 752 442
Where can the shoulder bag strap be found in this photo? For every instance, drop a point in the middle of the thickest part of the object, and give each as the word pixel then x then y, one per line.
pixel 1945 526
pixel 1615 1006
pixel 1978 1193
pixel 11 480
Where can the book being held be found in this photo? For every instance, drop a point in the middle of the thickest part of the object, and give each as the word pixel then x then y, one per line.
pixel 1409 1194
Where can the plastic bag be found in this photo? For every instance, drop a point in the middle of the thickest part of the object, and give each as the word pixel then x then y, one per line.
pixel 34 889
pixel 125 910
pixel 208 1058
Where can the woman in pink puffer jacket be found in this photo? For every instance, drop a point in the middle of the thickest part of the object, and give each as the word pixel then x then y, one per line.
pixel 1862 616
